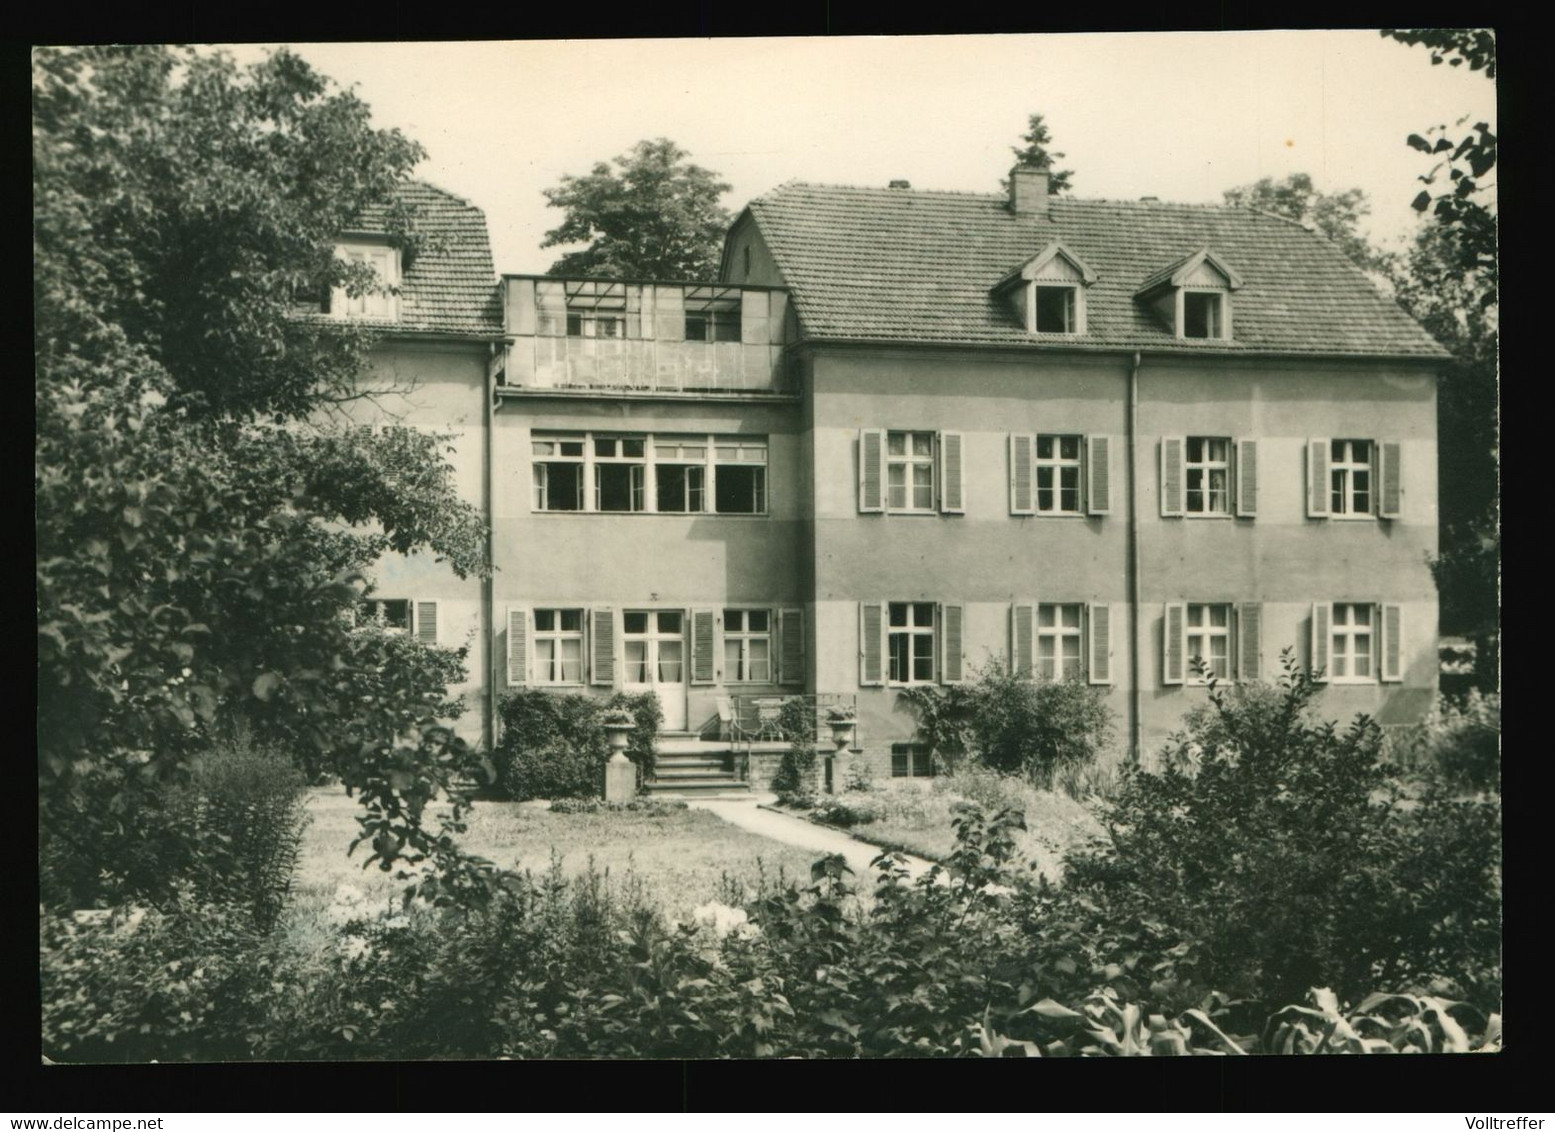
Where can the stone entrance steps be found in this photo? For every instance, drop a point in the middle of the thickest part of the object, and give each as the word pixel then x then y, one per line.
pixel 686 766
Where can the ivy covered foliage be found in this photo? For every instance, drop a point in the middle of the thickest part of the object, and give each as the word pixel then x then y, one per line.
pixel 199 519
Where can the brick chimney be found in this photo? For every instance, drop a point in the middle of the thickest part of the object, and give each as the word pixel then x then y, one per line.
pixel 1028 189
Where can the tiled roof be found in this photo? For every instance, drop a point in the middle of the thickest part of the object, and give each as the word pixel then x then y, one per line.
pixel 895 265
pixel 451 287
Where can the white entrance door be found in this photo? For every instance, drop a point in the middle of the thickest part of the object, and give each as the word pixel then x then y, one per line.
pixel 655 659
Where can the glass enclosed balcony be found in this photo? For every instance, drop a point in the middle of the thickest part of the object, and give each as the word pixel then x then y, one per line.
pixel 599 334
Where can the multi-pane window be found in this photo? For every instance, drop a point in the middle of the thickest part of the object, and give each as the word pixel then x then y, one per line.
pixel 911 760
pixel 740 475
pixel 1350 657
pixel 1208 642
pixel 680 474
pixel 668 474
pixel 392 613
pixel 1349 476
pixel 378 302
pixel 747 646
pixel 558 646
pixel 597 309
pixel 1058 475
pixel 620 469
pixel 713 313
pixel 654 646
pixel 1208 468
pixel 1056 310
pixel 910 636
pixel 558 473
pixel 1059 651
pixel 1202 316
pixel 910 471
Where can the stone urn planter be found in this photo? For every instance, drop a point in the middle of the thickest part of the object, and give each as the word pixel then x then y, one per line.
pixel 843 724
pixel 620 774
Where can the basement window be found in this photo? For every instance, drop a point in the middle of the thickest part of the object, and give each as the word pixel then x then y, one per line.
pixel 911 760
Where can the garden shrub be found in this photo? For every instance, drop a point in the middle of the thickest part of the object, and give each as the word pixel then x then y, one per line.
pixel 250 813
pixel 1463 740
pixel 972 959
pixel 834 811
pixel 556 747
pixel 653 806
pixel 1275 849
pixel 168 984
pixel 232 831
pixel 1015 724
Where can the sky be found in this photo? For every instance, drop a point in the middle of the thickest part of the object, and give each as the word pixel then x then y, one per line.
pixel 1180 116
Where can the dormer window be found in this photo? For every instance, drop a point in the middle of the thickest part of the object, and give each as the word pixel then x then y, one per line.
pixel 381 301
pixel 1202 315
pixel 1057 309
pixel 1047 293
pixel 1193 296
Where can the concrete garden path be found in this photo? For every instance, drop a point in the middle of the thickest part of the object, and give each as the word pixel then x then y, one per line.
pixel 749 814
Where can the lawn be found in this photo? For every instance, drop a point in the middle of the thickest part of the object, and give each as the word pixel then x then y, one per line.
pixel 916 817
pixel 677 859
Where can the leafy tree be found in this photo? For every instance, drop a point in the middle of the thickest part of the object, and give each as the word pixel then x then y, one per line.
pixel 1036 152
pixel 197 525
pixel 1336 215
pixel 654 216
pixel 1449 281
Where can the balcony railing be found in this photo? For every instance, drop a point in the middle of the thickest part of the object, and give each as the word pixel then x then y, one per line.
pixel 784 718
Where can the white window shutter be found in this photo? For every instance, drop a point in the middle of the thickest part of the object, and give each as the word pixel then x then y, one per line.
pixel 1023 638
pixel 1022 495
pixel 702 646
pixel 1317 479
pixel 1392 649
pixel 871 643
pixel 518 645
pixel 1100 628
pixel 1098 474
pixel 1249 640
pixel 791 650
pixel 1247 478
pixel 1317 657
pixel 602 646
pixel 1174 643
pixel 1172 477
pixel 426 622
pixel 1390 478
pixel 871 469
pixel 952 458
pixel 952 620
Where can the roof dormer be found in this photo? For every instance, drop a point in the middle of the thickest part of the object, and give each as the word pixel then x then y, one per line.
pixel 1047 292
pixel 1193 295
pixel 381 301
